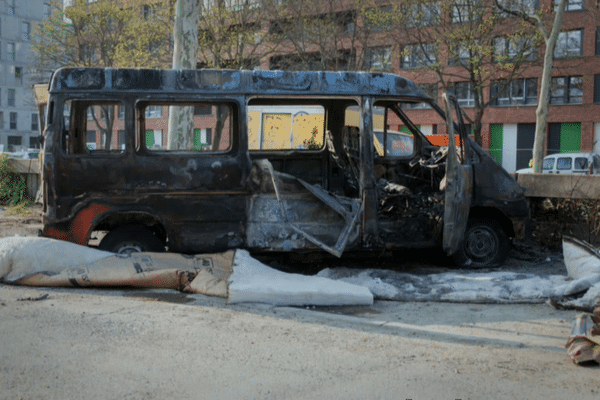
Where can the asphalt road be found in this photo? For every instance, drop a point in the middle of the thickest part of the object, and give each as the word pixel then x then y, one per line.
pixel 158 344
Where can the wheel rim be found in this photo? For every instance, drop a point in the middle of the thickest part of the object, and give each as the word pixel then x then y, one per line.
pixel 128 248
pixel 481 243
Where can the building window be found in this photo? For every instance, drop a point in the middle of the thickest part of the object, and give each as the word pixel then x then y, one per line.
pixel 34 142
pixel 154 139
pixel 238 5
pixel 154 112
pixel 463 91
pixel 572 5
pixel 462 54
pixel 598 41
pixel 566 90
pixel 379 58
pixel 465 10
pixel 10 7
pixel 346 22
pixel 34 122
pixel 19 75
pixel 202 138
pixel 88 53
pixel 526 6
pixel 512 93
pixel 11 97
pixel 26 31
pixel 13 120
pixel 90 140
pixel 431 90
pixel 209 4
pixel 419 55
pixel 10 52
pixel 379 19
pixel 147 11
pixel 514 49
pixel 1 120
pixel 569 44
pixel 14 141
pixel 203 110
pixel 597 89
pixel 122 139
pixel 422 14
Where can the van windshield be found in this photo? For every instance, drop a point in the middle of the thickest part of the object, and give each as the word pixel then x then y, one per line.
pixel 581 163
pixel 398 144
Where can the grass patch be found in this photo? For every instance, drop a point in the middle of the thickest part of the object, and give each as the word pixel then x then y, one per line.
pixel 13 187
pixel 21 209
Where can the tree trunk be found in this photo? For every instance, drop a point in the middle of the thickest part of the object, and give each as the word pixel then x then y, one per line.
pixel 185 34
pixel 541 113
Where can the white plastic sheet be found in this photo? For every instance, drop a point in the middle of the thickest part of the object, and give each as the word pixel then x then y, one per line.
pixel 234 275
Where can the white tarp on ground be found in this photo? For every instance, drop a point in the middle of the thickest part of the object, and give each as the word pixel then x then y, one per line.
pixel 580 289
pixel 233 274
pixel 240 278
pixel 583 266
pixel 460 286
pixel 253 281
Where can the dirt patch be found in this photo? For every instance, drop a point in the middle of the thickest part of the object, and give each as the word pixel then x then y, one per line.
pixel 26 224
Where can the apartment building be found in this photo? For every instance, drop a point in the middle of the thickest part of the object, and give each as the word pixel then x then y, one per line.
pixel 18 113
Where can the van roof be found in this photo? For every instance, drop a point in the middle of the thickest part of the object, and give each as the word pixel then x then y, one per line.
pixel 555 155
pixel 234 81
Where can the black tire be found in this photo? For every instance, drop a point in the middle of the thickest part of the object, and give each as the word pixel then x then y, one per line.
pixel 131 239
pixel 485 244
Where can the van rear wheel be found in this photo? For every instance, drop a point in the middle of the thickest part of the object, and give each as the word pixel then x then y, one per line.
pixel 485 244
pixel 131 239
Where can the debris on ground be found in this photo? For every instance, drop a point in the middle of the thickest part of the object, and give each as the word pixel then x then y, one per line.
pixel 39 298
pixel 234 275
pixel 583 346
pixel 583 267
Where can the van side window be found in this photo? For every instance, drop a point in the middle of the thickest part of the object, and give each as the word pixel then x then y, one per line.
pixel 163 127
pixel 548 164
pixel 92 128
pixel 280 127
pixel 564 163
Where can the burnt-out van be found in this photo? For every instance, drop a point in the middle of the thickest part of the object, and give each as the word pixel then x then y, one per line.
pixel 204 160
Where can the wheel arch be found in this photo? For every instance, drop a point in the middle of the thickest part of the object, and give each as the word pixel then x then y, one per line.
pixel 115 219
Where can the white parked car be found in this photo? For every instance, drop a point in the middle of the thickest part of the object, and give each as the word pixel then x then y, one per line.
pixel 568 163
pixel 25 154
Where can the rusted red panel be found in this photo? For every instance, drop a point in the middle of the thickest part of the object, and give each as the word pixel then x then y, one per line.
pixel 79 229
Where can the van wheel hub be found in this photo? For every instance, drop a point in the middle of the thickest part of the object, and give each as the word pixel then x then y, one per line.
pixel 480 243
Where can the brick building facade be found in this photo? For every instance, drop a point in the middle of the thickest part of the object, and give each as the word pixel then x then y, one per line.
pixel 508 124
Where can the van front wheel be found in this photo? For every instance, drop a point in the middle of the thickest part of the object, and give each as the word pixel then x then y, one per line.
pixel 131 239
pixel 485 244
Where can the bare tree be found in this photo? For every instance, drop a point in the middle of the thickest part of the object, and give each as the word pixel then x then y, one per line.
pixel 233 34
pixel 130 33
pixel 550 33
pixel 185 35
pixel 468 46
pixel 318 35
